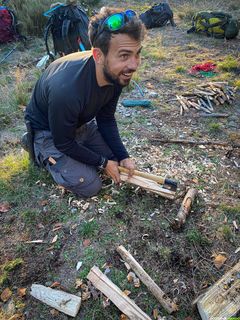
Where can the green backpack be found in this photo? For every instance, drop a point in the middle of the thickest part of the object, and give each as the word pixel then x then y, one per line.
pixel 215 24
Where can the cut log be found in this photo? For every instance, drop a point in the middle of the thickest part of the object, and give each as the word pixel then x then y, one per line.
pixel 147 184
pixel 110 290
pixel 60 300
pixel 222 300
pixel 185 208
pixel 167 304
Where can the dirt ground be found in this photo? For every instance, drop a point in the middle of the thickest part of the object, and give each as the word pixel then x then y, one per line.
pixel 182 262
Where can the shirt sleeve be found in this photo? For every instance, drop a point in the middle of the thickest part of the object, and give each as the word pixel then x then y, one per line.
pixel 107 126
pixel 63 115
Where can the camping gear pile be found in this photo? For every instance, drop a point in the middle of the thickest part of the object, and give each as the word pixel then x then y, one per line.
pixel 215 24
pixel 205 96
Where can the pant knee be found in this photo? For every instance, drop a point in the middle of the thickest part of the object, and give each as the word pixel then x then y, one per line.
pixel 87 191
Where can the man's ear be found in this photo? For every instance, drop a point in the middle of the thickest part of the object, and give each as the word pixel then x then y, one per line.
pixel 98 55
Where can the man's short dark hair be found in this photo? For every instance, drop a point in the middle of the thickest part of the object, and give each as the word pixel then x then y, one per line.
pixel 134 28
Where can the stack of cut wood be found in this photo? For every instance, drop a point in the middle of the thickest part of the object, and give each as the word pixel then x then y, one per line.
pixel 205 96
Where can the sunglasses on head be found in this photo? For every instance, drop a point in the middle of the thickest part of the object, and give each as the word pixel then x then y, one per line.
pixel 115 22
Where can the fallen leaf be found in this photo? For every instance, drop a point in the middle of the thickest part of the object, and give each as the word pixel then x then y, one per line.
pixel 127 292
pixel 237 250
pixel 79 264
pixel 43 203
pixel 17 316
pixel 86 243
pixel 155 313
pixel 4 207
pixel 219 261
pixel 22 292
pixel 6 295
pixel 106 302
pixel 123 317
pixel 86 295
pixel 54 239
pixel 136 282
pixel 54 312
pixel 78 283
pixel 55 284
pixel 86 206
pixel 131 276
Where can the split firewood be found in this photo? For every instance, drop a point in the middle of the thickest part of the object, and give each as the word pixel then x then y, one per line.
pixel 117 296
pixel 205 96
pixel 185 208
pixel 222 300
pixel 60 300
pixel 166 302
pixel 148 184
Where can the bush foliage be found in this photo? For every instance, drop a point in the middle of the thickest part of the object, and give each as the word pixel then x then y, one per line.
pixel 30 14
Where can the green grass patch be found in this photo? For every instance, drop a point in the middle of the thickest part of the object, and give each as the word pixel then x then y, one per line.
pixel 195 237
pixel 214 127
pixel 228 64
pixel 12 165
pixel 89 229
pixel 180 69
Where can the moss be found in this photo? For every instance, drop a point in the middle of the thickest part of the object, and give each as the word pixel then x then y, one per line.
pixel 3 279
pixel 11 265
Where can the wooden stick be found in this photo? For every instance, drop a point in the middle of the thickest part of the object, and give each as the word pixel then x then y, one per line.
pixel 148 176
pixel 60 300
pixel 147 184
pixel 185 208
pixel 214 143
pixel 110 290
pixel 214 115
pixel 166 302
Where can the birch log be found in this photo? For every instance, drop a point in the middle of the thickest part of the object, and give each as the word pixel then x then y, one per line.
pixel 60 300
pixel 185 208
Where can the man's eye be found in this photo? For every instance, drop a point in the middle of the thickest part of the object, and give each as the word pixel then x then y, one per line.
pixel 124 56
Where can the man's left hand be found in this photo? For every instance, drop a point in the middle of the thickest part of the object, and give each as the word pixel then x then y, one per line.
pixel 129 164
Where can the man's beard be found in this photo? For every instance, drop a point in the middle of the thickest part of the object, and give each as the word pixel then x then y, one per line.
pixel 112 78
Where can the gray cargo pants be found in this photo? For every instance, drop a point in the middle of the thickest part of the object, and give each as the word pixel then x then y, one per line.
pixel 80 178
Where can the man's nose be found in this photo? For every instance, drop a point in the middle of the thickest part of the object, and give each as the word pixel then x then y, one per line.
pixel 133 63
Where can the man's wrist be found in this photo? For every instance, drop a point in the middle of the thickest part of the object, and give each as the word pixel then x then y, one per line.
pixel 103 163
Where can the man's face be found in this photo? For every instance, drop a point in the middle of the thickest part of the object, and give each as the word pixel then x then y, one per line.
pixel 122 60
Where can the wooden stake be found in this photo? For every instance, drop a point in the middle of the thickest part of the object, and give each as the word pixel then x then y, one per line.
pixel 168 305
pixel 110 290
pixel 185 208
pixel 60 300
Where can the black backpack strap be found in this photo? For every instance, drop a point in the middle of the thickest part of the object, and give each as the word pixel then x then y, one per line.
pixel 46 36
pixel 65 31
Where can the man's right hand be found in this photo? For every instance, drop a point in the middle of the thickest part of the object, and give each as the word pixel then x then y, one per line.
pixel 111 170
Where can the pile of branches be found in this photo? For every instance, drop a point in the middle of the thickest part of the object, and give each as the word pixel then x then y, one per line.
pixel 206 96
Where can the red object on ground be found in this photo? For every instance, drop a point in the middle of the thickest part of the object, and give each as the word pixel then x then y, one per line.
pixel 206 67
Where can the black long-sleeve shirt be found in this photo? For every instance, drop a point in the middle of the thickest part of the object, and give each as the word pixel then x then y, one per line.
pixel 65 97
